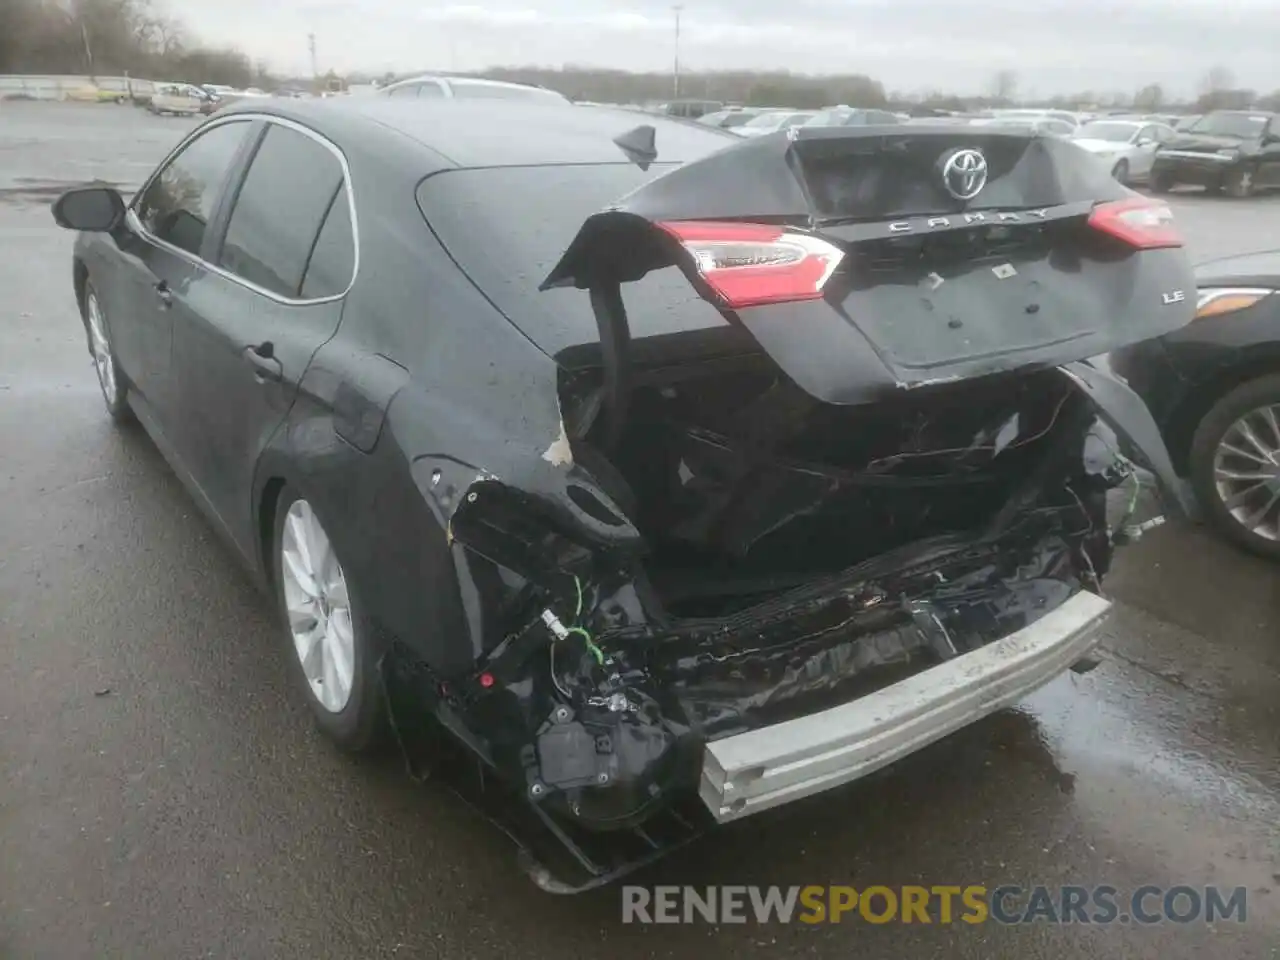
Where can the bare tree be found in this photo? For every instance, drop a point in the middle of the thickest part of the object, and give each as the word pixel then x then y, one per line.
pixel 1218 79
pixel 1150 97
pixel 1004 86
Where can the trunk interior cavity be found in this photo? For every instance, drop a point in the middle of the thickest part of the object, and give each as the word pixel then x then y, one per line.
pixel 746 487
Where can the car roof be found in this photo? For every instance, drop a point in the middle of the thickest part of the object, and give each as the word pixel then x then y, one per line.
pixel 469 81
pixel 494 133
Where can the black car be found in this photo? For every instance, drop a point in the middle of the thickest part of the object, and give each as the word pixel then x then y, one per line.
pixel 1236 151
pixel 1214 388
pixel 673 476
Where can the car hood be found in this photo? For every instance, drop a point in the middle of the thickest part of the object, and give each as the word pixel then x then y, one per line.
pixel 928 289
pixel 1210 144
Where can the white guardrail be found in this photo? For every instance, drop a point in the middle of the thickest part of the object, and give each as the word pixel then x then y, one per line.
pixel 85 88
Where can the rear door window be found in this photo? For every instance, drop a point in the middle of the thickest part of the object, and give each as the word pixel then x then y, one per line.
pixel 286 197
pixel 333 261
pixel 177 205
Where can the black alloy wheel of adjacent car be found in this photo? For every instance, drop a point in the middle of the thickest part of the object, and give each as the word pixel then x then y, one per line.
pixel 1235 465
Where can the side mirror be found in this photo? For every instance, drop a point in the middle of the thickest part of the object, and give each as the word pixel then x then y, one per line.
pixel 1145 141
pixel 93 209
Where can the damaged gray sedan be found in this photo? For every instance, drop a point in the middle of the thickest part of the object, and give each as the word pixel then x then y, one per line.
pixel 661 477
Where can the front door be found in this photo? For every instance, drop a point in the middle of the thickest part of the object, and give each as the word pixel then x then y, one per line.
pixel 1145 145
pixel 166 235
pixel 271 296
pixel 1269 162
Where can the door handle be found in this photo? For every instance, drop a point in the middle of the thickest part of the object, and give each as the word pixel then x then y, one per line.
pixel 262 357
pixel 164 294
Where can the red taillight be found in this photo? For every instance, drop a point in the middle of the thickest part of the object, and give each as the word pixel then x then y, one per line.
pixel 750 264
pixel 1139 222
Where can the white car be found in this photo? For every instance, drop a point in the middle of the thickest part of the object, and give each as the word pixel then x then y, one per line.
pixel 772 121
pixel 177 99
pixel 473 88
pixel 1128 146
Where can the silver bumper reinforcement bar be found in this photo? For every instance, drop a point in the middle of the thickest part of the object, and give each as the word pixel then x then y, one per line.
pixel 750 772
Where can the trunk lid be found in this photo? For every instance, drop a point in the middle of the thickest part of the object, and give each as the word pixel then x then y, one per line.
pixel 954 252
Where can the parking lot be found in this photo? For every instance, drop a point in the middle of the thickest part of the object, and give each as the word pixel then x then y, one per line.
pixel 164 794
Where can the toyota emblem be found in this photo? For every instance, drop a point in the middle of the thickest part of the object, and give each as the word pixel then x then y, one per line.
pixel 965 174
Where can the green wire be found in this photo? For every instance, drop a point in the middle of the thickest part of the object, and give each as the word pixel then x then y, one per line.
pixel 595 651
pixel 1133 500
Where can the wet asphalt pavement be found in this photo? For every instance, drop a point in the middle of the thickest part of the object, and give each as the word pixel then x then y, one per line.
pixel 164 795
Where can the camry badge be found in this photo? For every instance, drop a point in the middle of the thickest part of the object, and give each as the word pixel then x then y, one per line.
pixel 964 174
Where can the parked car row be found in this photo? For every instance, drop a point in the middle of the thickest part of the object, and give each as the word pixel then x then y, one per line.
pixel 1236 152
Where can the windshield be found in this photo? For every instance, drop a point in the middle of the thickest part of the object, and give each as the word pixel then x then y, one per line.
pixel 766 121
pixel 1241 125
pixel 1115 132
pixel 828 118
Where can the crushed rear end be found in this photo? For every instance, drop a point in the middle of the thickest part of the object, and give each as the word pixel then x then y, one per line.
pixel 876 506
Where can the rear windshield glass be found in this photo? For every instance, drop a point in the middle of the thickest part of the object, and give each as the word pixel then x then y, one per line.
pixel 508 226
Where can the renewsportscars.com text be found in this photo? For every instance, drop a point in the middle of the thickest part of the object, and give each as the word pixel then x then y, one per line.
pixel 941 904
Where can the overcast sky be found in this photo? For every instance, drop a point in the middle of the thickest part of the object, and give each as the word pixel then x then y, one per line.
pixel 1054 45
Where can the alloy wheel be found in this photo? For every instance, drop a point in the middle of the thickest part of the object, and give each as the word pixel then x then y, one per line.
pixel 318 607
pixel 1246 471
pixel 103 359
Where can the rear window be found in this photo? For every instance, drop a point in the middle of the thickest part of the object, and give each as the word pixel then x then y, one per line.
pixel 508 226
pixel 485 91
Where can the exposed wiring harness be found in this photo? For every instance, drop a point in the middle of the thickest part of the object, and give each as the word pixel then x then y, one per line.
pixel 560 632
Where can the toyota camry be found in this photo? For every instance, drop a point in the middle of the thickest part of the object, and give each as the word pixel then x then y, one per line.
pixel 663 473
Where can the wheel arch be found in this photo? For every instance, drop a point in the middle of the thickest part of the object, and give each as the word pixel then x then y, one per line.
pixel 1187 415
pixel 268 503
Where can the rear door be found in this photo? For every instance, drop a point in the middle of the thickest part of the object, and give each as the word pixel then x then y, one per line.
pixel 274 294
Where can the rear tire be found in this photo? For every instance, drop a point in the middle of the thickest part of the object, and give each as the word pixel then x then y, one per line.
pixel 1218 475
pixel 332 645
pixel 1121 172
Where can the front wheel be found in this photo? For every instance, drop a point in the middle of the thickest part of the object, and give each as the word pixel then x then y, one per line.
pixel 332 643
pixel 1161 182
pixel 114 387
pixel 1239 183
pixel 1235 465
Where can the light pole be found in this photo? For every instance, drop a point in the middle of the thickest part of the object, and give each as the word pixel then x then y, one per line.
pixel 675 73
